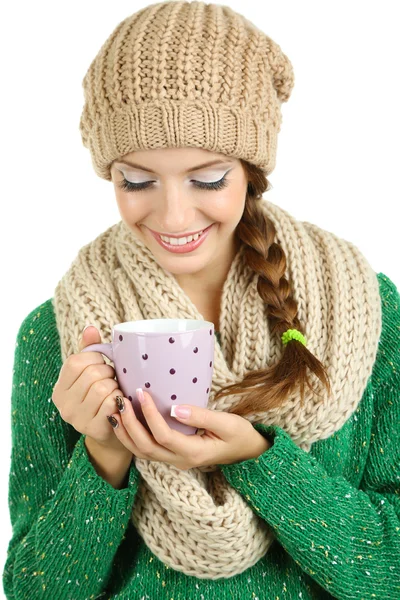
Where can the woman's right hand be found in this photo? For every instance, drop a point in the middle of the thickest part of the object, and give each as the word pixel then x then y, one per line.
pixel 85 393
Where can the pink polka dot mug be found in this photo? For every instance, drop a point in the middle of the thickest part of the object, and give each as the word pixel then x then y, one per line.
pixel 172 359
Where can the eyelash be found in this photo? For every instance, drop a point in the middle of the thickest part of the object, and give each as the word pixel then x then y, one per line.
pixel 137 187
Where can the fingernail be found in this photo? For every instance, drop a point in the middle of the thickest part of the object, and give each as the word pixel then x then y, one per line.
pixel 90 325
pixel 179 411
pixel 120 403
pixel 113 421
pixel 140 396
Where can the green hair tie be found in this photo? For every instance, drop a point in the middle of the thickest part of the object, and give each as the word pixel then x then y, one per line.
pixel 293 334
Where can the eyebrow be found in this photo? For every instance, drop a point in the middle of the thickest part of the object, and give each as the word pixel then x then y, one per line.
pixel 207 164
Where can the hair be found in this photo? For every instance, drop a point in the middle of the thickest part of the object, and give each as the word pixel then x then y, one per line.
pixel 269 387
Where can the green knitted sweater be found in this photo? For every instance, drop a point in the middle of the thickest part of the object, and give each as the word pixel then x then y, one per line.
pixel 335 511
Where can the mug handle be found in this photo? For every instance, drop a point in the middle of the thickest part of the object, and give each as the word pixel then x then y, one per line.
pixel 105 349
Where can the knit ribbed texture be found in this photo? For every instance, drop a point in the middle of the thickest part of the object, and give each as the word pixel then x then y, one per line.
pixel 335 510
pixel 185 74
pixel 190 518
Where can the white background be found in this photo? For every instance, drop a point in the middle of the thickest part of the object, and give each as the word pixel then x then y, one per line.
pixel 338 149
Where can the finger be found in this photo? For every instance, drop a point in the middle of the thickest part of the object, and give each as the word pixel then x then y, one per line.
pixel 141 438
pixel 124 437
pixel 189 446
pixel 74 366
pixel 224 425
pixel 90 335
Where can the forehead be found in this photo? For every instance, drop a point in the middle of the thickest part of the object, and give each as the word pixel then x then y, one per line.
pixel 173 159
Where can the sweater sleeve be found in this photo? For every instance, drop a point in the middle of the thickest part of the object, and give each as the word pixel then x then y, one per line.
pixel 67 521
pixel 346 539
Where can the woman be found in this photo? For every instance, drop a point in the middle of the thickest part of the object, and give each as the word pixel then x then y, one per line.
pixel 295 492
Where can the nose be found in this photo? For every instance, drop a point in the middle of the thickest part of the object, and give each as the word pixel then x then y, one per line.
pixel 177 214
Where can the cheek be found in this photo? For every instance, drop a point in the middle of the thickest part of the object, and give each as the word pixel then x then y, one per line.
pixel 229 205
pixel 130 209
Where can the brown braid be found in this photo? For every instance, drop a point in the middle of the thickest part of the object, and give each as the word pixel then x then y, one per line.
pixel 268 259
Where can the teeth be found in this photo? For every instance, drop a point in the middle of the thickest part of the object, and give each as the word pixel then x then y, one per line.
pixel 180 241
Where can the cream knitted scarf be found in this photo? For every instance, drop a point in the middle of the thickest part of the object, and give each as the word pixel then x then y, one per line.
pixel 193 521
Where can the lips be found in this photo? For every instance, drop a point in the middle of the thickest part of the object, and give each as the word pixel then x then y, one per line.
pixel 183 248
pixel 181 236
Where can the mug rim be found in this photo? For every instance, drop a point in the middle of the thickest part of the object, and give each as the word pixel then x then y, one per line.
pixel 199 324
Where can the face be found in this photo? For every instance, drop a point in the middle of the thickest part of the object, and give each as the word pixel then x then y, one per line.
pixel 168 191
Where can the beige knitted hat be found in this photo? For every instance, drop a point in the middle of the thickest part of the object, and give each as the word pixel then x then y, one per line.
pixel 179 74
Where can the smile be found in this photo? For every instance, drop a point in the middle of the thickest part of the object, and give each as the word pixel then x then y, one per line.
pixel 184 244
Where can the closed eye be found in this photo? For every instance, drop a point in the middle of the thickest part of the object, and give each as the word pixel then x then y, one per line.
pixel 203 185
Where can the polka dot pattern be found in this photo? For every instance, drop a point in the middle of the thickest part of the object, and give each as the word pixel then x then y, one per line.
pixel 172 371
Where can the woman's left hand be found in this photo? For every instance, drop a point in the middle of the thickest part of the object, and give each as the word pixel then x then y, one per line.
pixel 227 439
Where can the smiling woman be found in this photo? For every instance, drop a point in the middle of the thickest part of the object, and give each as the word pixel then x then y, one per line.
pixel 309 355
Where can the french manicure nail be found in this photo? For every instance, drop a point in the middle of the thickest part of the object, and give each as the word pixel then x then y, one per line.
pixel 180 411
pixel 140 395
